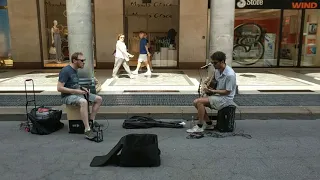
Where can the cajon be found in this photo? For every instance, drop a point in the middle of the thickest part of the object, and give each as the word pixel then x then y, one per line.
pixel 75 123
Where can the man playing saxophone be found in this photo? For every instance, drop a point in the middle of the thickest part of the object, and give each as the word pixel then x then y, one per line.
pixel 215 98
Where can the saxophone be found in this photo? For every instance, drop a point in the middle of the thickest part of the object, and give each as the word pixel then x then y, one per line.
pixel 205 83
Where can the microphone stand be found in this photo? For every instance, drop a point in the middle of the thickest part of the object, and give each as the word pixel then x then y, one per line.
pixel 200 82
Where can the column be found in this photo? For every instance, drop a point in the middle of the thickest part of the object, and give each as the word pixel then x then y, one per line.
pixel 221 27
pixel 80 38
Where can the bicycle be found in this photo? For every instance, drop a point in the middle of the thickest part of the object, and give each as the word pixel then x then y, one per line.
pixel 248 48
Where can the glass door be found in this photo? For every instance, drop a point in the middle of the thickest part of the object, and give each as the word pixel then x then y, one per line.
pixel 310 56
pixel 289 49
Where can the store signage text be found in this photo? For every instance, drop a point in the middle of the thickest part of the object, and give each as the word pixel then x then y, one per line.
pixel 244 3
pixel 304 5
pixel 277 4
pixel 155 4
pixel 55 4
pixel 155 15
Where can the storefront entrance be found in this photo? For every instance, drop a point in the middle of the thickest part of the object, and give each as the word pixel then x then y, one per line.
pixel 160 20
pixel 276 34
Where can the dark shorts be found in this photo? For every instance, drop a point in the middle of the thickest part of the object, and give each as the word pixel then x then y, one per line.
pixel 75 99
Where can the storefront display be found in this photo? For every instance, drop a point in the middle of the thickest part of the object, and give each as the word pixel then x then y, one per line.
pixel 289 33
pixel 256 38
pixel 160 19
pixel 55 33
pixel 311 55
pixel 5 54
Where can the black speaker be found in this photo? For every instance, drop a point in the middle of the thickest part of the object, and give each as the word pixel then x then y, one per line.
pixel 146 1
pixel 225 119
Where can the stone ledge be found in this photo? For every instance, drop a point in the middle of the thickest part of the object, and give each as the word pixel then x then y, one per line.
pixel 181 112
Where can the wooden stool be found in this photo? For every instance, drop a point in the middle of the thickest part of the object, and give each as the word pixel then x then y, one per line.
pixel 73 116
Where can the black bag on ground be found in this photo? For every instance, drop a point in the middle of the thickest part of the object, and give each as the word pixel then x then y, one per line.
pixel 225 119
pixel 141 122
pixel 137 150
pixel 45 120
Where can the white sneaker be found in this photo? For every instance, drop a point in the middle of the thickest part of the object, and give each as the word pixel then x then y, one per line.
pixel 209 127
pixel 196 128
pixel 148 73
pixel 131 76
pixel 135 72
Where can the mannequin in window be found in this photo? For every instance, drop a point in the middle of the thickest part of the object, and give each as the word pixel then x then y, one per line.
pixel 56 40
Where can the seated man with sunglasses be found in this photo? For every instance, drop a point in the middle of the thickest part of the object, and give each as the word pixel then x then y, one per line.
pixel 217 98
pixel 73 94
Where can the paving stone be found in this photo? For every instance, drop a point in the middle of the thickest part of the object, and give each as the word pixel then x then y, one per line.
pixel 283 150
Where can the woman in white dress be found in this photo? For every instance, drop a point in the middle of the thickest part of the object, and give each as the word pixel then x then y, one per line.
pixel 121 57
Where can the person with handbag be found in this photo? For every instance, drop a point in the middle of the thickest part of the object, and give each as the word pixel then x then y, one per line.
pixel 121 57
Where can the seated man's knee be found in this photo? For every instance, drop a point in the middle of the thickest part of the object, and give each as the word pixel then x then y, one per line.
pixel 83 103
pixel 195 102
pixel 98 99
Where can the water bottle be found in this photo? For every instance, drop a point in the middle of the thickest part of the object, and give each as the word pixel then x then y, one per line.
pixel 192 122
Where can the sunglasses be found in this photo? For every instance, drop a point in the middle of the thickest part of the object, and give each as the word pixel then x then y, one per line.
pixel 82 60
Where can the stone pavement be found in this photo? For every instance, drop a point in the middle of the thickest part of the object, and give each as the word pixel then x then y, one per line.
pixel 278 150
pixel 296 90
pixel 249 80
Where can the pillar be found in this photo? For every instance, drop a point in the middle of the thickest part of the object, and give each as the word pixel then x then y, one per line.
pixel 80 38
pixel 222 27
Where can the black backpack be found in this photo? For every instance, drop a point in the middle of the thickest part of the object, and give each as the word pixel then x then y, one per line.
pixel 137 150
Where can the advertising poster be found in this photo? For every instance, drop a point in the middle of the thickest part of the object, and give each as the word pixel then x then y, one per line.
pixel 311 48
pixel 4 30
pixel 269 49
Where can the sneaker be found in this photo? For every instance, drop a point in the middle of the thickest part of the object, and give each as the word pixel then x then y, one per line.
pixel 148 73
pixel 90 134
pixel 196 128
pixel 135 72
pixel 131 76
pixel 209 127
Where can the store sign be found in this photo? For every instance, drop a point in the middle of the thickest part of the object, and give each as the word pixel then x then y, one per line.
pixel 277 4
pixel 246 3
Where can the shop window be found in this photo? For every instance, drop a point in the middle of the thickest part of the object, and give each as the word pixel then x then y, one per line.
pixel 311 41
pixel 5 52
pixel 256 37
pixel 54 30
pixel 160 19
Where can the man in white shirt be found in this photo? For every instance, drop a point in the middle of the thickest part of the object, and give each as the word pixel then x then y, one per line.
pixel 218 98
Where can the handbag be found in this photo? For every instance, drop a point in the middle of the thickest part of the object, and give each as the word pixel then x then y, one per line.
pixel 52 50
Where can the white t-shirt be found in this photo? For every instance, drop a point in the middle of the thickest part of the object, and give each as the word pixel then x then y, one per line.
pixel 121 51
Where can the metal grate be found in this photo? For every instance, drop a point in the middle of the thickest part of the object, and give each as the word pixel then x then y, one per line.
pixel 151 91
pixel 291 91
pixel 20 92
